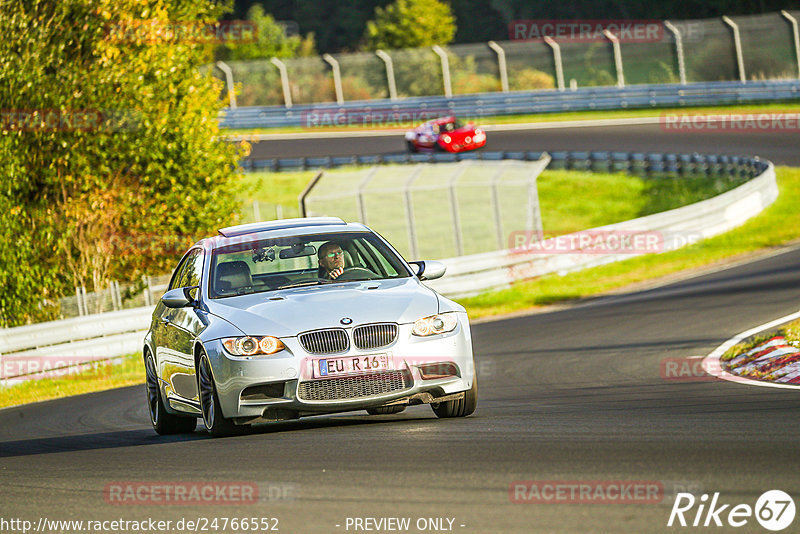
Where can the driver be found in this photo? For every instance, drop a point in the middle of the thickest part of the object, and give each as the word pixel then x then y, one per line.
pixel 331 260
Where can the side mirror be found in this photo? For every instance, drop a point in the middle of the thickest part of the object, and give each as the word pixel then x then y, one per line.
pixel 429 270
pixel 178 297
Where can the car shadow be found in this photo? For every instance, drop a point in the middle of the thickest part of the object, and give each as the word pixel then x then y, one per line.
pixel 146 436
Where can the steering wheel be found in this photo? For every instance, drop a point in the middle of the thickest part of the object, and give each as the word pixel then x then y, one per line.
pixel 357 273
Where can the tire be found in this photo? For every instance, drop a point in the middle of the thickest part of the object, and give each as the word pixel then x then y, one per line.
pixel 461 407
pixel 163 423
pixel 215 423
pixel 412 147
pixel 385 410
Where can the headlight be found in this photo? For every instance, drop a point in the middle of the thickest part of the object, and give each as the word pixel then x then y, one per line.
pixel 435 324
pixel 251 346
pixel 446 138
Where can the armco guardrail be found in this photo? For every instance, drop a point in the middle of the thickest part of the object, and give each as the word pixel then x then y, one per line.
pixel 410 111
pixel 69 342
pixel 103 336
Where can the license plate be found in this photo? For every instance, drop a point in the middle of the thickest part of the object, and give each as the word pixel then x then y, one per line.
pixel 350 365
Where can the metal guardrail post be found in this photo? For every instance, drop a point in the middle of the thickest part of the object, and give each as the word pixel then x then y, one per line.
pixel 301 200
pixel 439 51
pixel 617 57
pixel 678 50
pixel 412 229
pixel 287 93
pixel 337 77
pixel 737 43
pixel 229 82
pixel 387 60
pixel 793 22
pixel 557 60
pixel 501 64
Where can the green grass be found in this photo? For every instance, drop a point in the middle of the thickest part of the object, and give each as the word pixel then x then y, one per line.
pixel 793 106
pixel 127 371
pixel 777 225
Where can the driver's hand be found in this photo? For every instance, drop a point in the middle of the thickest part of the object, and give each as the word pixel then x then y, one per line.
pixel 335 273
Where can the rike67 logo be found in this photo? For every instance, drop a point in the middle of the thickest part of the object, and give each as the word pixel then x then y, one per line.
pixel 774 510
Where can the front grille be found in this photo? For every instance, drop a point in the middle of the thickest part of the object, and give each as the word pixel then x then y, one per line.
pixel 373 336
pixel 328 341
pixel 354 387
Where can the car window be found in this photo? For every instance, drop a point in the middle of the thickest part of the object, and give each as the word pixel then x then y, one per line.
pixel 274 264
pixel 191 274
pixel 174 282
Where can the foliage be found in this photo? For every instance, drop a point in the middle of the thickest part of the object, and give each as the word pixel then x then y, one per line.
pixel 270 41
pixel 86 201
pixel 410 23
pixel 529 79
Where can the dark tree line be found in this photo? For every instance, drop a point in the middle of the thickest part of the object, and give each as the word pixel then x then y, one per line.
pixel 338 25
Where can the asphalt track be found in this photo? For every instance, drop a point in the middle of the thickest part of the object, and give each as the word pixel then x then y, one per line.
pixel 572 395
pixel 782 148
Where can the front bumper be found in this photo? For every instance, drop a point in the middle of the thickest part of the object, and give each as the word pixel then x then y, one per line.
pixel 282 386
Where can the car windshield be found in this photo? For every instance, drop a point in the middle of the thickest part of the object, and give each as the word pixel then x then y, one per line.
pixel 297 261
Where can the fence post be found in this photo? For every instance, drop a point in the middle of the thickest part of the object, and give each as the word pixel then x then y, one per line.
pixel 454 207
pixel 412 229
pixel 498 221
pixel 362 208
pixel 229 82
pixel 737 43
pixel 387 60
pixel 287 93
pixel 557 60
pixel 617 57
pixel 301 200
pixel 148 293
pixel 501 64
pixel 256 211
pixel 793 22
pixel 678 50
pixel 448 89
pixel 337 77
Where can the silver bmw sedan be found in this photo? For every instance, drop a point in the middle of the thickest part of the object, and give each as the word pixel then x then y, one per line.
pixel 283 319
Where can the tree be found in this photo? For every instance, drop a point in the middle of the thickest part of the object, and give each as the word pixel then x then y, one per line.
pixel 270 40
pixel 410 24
pixel 110 146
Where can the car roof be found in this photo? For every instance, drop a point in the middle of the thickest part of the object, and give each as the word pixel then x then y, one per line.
pixel 281 224
pixel 246 233
pixel 442 120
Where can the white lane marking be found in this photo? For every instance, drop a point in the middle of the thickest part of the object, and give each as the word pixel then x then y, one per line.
pixel 488 128
pixel 712 366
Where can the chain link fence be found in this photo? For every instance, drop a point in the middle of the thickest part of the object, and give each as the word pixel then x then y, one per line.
pixel 438 210
pixel 707 51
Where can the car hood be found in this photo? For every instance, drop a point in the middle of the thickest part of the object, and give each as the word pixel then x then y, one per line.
pixel 288 312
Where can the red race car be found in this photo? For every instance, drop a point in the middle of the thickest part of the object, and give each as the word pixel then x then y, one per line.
pixel 445 134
